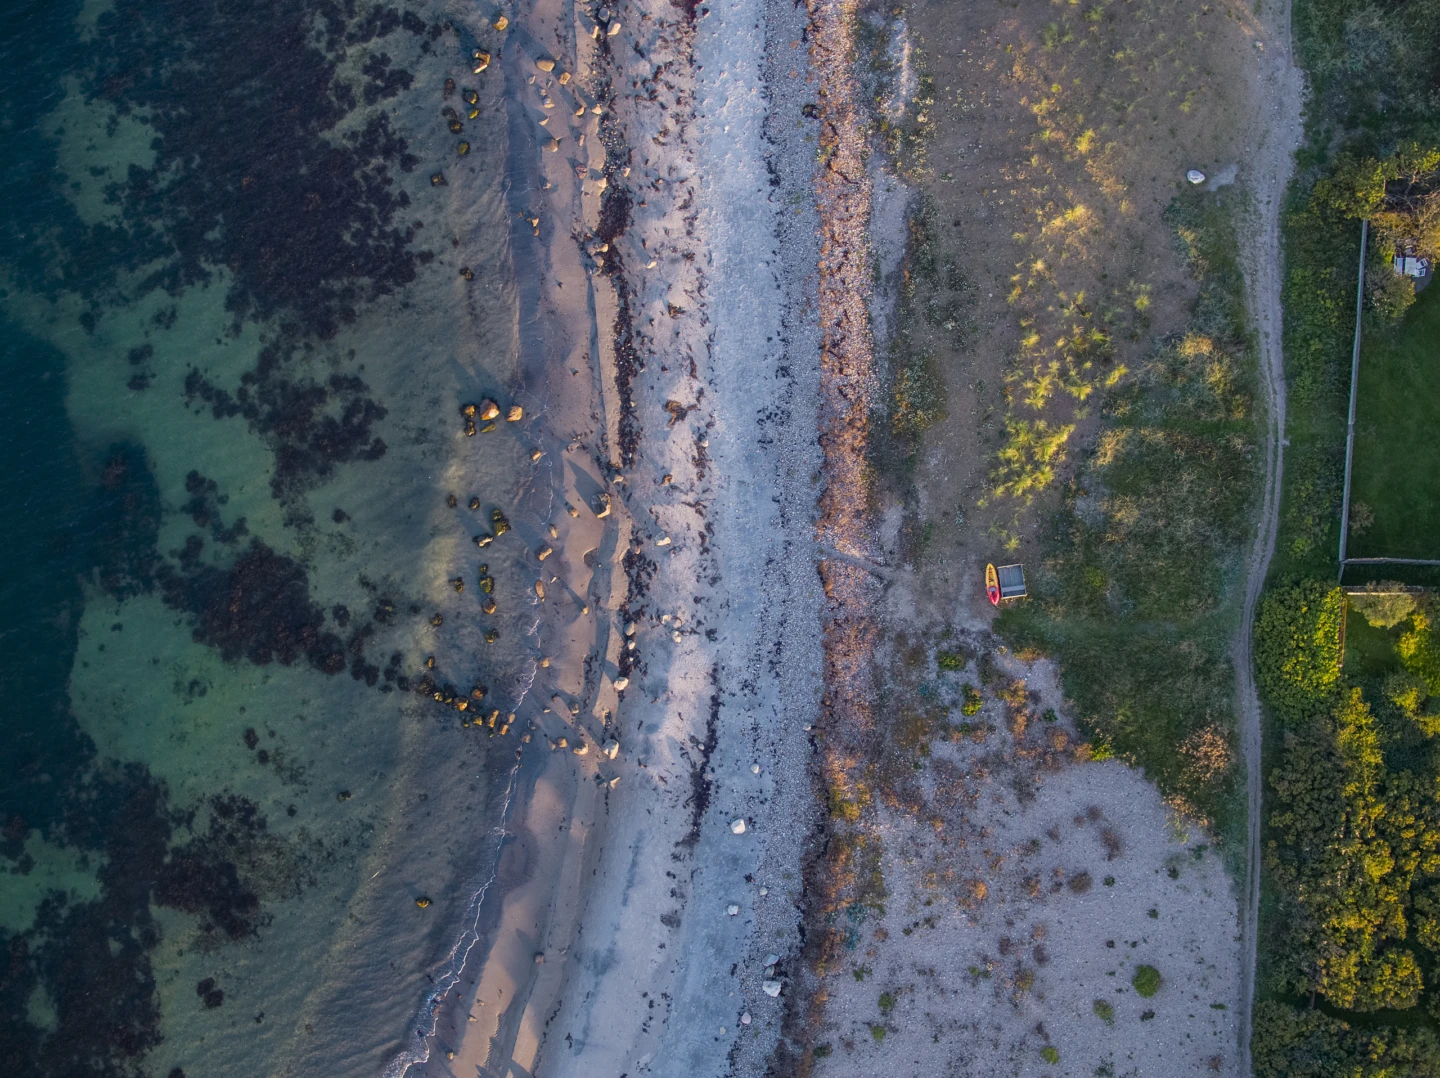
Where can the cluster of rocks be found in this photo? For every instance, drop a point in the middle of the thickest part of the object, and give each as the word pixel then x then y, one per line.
pixel 487 411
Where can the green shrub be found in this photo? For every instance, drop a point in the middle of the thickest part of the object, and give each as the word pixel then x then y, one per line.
pixel 878 1032
pixel 887 1002
pixel 1384 606
pixel 1297 648
pixel 1146 981
pixel 1419 651
pixel 973 701
pixel 1050 1054
pixel 1105 1012
pixel 950 661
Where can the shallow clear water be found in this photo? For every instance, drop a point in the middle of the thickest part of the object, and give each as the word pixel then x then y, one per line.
pixel 237 332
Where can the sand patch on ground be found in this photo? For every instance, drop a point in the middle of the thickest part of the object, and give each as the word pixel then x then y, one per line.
pixel 1017 890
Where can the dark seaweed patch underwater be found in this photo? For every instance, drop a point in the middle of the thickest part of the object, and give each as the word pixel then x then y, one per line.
pixel 271 162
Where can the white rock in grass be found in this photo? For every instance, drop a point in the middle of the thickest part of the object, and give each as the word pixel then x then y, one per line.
pixel 737 827
pixel 771 989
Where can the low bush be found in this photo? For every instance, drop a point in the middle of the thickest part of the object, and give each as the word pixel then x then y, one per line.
pixel 1419 651
pixel 1105 1012
pixel 950 661
pixel 1383 605
pixel 1146 981
pixel 1297 648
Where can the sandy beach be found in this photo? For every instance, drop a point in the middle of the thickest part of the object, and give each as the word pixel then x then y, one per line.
pixel 638 897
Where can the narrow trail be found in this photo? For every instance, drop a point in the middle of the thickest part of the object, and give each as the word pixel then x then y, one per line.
pixel 1281 91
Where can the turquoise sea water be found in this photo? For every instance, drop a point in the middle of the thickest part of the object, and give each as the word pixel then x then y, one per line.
pixel 247 279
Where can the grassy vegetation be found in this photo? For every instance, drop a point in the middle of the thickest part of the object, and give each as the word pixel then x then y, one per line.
pixel 1132 595
pixel 1395 491
pixel 918 398
pixel 1348 868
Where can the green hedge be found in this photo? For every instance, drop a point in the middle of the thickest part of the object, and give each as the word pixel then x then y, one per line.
pixel 1297 648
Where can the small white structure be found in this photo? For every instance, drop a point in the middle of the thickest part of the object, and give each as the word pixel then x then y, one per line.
pixel 1407 266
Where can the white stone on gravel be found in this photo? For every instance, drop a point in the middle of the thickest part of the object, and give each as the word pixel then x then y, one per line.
pixel 732 909
pixel 771 989
pixel 622 683
pixel 611 749
pixel 737 827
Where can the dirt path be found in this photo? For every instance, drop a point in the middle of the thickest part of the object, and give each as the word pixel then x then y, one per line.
pixel 1278 133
